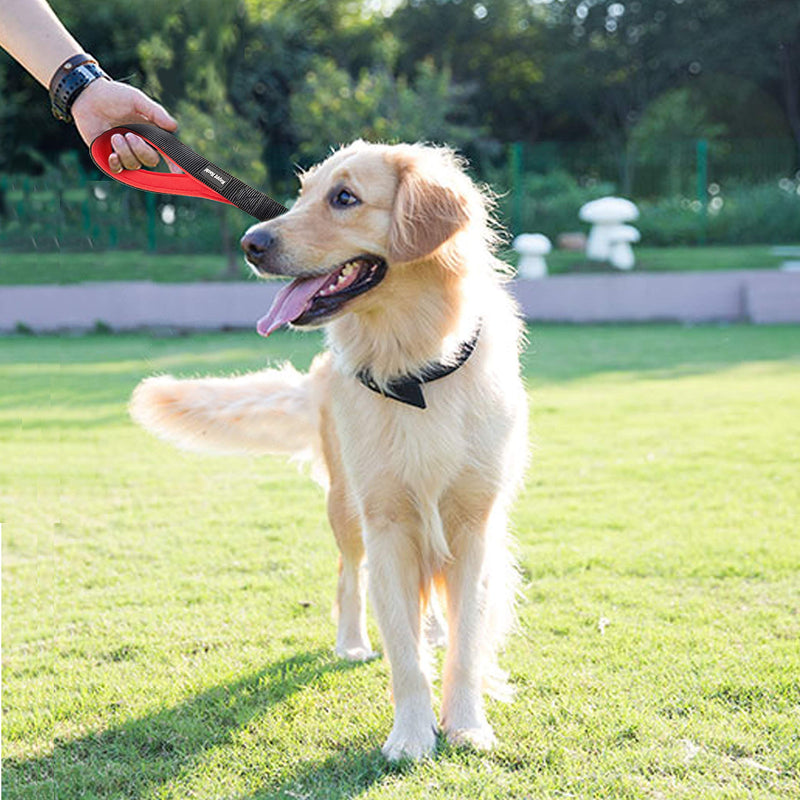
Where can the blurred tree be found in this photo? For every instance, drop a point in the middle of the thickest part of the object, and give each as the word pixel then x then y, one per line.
pixel 285 36
pixel 493 46
pixel 521 69
pixel 676 115
pixel 332 107
pixel 188 62
pixel 668 124
pixel 212 128
pixel 759 42
pixel 264 71
pixel 747 110
pixel 607 61
pixel 189 54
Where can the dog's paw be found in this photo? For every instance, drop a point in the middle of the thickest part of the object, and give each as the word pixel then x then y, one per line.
pixel 481 738
pixel 356 653
pixel 415 745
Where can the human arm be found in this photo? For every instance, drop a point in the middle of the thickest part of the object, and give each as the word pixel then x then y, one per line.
pixel 33 35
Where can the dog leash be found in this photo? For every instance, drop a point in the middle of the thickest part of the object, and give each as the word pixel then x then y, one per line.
pixel 200 177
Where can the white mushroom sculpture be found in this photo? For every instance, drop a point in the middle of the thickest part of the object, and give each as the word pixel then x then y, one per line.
pixel 610 238
pixel 532 248
pixel 621 237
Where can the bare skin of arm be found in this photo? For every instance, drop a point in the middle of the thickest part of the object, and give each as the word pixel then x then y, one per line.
pixel 32 34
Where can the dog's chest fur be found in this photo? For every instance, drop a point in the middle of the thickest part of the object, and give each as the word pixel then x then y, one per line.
pixel 465 436
pixel 419 448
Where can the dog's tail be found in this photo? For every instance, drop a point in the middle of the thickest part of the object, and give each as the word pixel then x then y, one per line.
pixel 270 411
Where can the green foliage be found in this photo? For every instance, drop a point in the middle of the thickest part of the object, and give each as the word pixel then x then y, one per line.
pixel 606 61
pixel 332 107
pixel 214 130
pixel 552 201
pixel 738 213
pixel 674 116
pixel 497 47
pixel 534 69
pixel 188 54
pixel 279 82
pixel 223 137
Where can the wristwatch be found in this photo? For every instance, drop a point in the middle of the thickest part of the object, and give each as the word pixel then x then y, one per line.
pixel 70 79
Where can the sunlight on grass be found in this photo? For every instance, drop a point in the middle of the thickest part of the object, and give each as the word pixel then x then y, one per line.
pixel 167 627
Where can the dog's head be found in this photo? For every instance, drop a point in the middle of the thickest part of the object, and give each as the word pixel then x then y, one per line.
pixel 367 210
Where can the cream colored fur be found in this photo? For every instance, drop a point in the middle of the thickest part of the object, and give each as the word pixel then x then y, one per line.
pixel 423 494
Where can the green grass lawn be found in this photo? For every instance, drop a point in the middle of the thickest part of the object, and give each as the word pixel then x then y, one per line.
pixel 127 265
pixel 166 616
pixel 113 265
pixel 678 259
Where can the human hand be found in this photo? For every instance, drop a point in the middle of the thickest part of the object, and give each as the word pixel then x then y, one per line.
pixel 106 104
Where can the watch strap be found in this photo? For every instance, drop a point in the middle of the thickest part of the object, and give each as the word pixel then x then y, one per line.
pixel 69 80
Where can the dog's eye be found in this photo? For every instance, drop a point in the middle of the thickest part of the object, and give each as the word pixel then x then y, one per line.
pixel 344 198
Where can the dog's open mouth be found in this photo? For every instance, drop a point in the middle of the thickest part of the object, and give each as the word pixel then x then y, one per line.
pixel 308 300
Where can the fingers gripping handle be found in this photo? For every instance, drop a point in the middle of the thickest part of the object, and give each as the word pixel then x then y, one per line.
pixel 200 177
pixel 149 180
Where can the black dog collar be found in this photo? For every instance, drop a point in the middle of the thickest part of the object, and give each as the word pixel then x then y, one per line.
pixel 408 388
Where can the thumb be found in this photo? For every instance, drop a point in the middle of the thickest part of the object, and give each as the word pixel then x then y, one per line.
pixel 154 112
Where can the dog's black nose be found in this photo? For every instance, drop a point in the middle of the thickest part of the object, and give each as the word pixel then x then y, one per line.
pixel 256 243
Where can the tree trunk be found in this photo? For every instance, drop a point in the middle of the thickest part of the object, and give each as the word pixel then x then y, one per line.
pixel 789 54
pixel 231 253
pixel 627 169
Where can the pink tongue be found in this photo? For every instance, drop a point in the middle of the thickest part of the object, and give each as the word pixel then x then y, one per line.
pixel 290 303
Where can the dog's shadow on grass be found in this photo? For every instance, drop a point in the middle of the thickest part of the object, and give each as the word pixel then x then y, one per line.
pixel 139 758
pixel 344 776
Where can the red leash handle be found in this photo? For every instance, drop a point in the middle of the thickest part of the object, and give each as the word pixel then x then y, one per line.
pixel 200 177
pixel 178 183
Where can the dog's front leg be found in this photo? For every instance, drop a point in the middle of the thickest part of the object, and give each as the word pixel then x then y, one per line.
pixel 470 589
pixel 395 582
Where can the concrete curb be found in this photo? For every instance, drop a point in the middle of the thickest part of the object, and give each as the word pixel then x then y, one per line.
pixel 761 297
pixel 135 304
pixel 637 297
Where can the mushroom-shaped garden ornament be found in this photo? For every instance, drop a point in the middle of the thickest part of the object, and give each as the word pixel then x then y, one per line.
pixel 621 237
pixel 607 216
pixel 532 248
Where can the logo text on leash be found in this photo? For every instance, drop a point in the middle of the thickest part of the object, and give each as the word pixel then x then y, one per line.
pixel 220 179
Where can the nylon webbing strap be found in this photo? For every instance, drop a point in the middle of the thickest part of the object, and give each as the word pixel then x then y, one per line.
pixel 200 177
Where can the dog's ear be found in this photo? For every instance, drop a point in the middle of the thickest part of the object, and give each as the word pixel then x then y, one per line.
pixel 426 213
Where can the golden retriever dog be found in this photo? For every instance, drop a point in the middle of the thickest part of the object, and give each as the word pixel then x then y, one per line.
pixel 416 414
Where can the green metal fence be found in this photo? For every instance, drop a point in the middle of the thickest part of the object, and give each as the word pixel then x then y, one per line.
pixel 71 209
pixel 689 192
pixel 666 169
